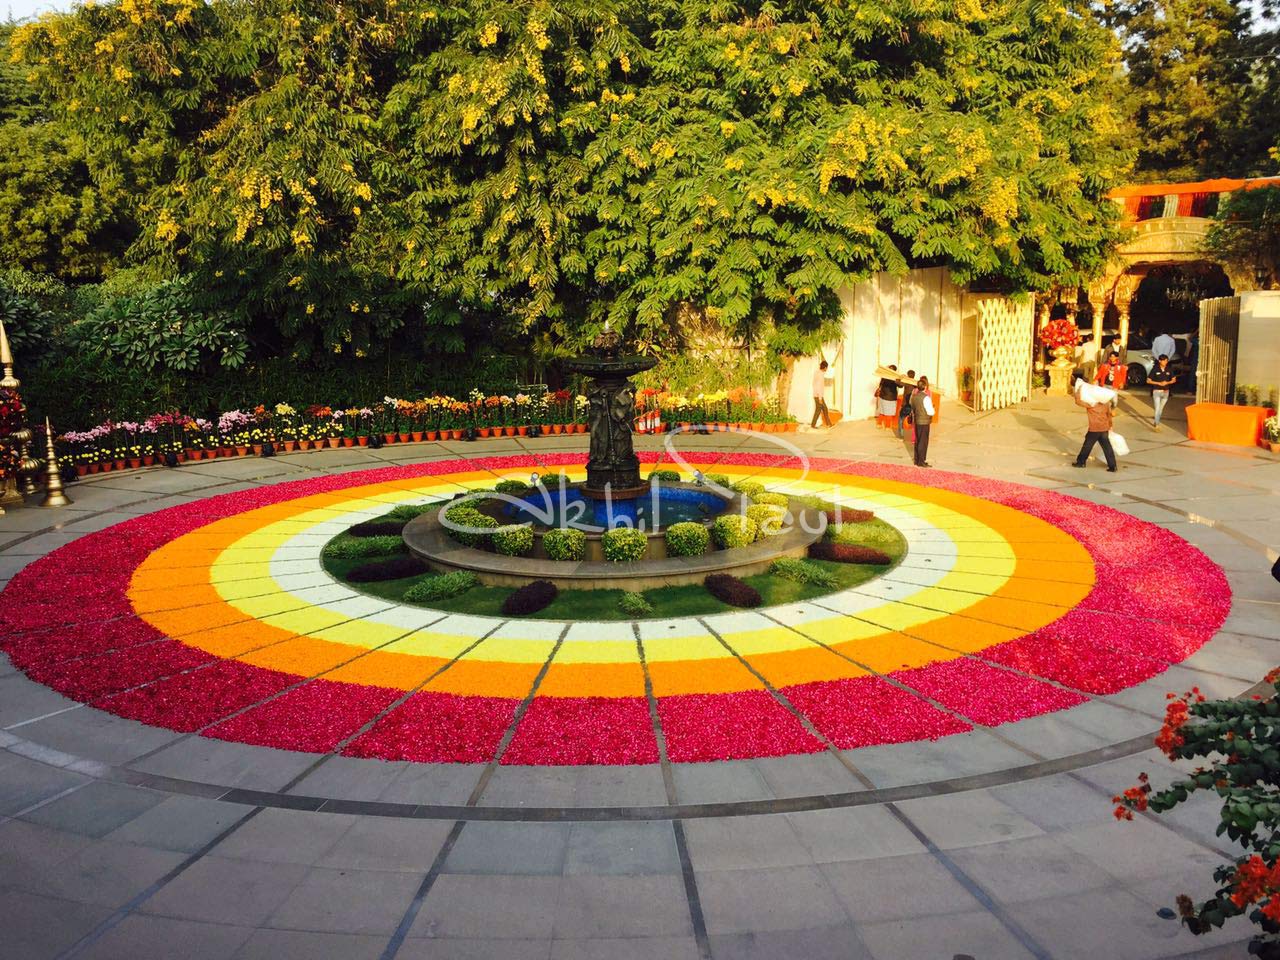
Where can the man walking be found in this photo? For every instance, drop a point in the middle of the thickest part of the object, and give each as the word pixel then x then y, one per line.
pixel 922 417
pixel 1161 379
pixel 819 394
pixel 1100 419
pixel 1165 344
pixel 908 388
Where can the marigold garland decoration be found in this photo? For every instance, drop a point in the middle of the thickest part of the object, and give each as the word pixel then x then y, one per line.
pixel 217 618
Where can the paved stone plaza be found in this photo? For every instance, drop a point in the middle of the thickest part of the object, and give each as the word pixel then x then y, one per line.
pixel 120 839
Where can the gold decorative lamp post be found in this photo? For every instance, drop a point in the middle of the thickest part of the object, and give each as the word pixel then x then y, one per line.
pixel 54 495
pixel 21 437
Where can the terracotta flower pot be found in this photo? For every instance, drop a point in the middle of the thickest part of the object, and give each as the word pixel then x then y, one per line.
pixel 348 441
pixel 192 453
pixel 149 460
pixel 289 445
pixel 242 451
pixel 120 464
pixel 81 469
pixel 580 428
pixel 522 431
pixel 334 442
pixel 430 435
pixel 557 428
pixel 257 449
pixel 508 431
pixel 790 427
pixel 417 436
pixel 391 438
pixel 1274 445
pixel 135 463
pixel 95 467
pixel 484 432
pixel 362 441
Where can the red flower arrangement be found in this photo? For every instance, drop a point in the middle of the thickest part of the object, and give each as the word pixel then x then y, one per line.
pixel 10 411
pixel 1059 333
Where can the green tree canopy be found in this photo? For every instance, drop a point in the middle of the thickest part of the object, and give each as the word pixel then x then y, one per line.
pixel 337 171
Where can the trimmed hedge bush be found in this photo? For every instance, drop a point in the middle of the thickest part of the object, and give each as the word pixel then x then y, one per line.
pixel 717 478
pixel 397 568
pixel 513 541
pixel 624 545
pixel 410 511
pixel 530 598
pixel 802 571
pixel 345 547
pixel 772 499
pixel 687 539
pixel 731 590
pixel 848 553
pixel 767 517
pixel 564 544
pixel 441 587
pixel 635 605
pixel 665 476
pixel 511 486
pixel 733 530
pixel 862 534
pixel 469 516
pixel 848 515
pixel 376 528
pixel 749 488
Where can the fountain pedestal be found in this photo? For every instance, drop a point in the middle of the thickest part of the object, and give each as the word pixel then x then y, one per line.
pixel 613 469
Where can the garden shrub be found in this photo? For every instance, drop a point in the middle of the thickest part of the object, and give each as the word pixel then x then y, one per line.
pixel 564 544
pixel 773 499
pixel 530 598
pixel 410 511
pixel 733 530
pixel 862 533
pixel 635 605
pixel 665 476
pixel 803 571
pixel 729 589
pixel 513 541
pixel 516 487
pixel 377 528
pixel 397 568
pixel 848 553
pixel 345 547
pixel 624 545
pixel 468 516
pixel 687 539
pixel 441 587
pixel 717 478
pixel 749 488
pixel 841 514
pixel 767 517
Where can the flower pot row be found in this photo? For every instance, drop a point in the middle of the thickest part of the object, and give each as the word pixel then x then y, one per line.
pixel 722 427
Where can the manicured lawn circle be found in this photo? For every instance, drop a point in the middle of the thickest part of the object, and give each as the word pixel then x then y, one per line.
pixel 113 647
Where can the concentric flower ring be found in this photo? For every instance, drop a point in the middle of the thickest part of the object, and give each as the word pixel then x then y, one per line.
pixel 217 618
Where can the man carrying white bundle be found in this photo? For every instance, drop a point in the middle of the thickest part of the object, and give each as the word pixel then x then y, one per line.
pixel 1097 402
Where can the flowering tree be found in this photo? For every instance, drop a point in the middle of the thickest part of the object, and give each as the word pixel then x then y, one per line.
pixel 1241 741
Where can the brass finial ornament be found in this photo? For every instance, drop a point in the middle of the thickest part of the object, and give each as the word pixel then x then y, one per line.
pixel 53 496
pixel 6 361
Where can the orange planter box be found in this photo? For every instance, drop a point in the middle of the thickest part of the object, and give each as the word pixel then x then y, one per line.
pixel 1226 423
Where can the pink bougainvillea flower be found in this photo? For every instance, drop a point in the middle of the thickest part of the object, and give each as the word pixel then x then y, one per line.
pixel 864 711
pixel 984 694
pixel 731 726
pixel 578 730
pixel 193 700
pixel 438 728
pixel 316 716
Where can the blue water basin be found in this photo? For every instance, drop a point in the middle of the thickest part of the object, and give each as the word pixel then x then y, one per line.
pixel 656 509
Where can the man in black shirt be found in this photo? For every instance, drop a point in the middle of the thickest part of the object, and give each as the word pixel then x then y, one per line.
pixel 1161 379
pixel 908 388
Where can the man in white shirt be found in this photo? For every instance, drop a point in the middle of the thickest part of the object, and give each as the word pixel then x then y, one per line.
pixel 1164 345
pixel 819 394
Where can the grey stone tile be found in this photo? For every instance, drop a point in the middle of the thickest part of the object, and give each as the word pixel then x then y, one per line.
pixel 97 736
pixel 286 836
pixel 489 907
pixel 785 898
pixel 1055 803
pixel 897 888
pixel 269 944
pixel 619 786
pixel 29 852
pixel 816 774
pixel 967 819
pixel 622 849
pixel 1051 735
pixel 145 937
pixel 25 782
pixel 349 778
pixel 510 848
pixel 476 949
pixel 976 934
pixel 433 783
pixel 742 843
pixel 531 787
pixel 605 907
pixel 41 928
pixel 180 823
pixel 1138 849
pixel 95 809
pixel 227 764
pixel 640 948
pixel 1029 869
pixel 719 782
pixel 22 699
pixel 347 901
pixel 959 755
pixel 853 833
pixel 107 874
pixel 385 843
pixel 823 943
pixel 1120 925
pixel 219 890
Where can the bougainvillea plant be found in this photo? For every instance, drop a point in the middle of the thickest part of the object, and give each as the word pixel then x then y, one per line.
pixel 1240 740
pixel 10 411
pixel 1060 333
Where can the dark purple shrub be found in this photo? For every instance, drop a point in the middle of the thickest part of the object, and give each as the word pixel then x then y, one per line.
pixel 729 589
pixel 848 553
pixel 530 598
pixel 848 515
pixel 397 568
pixel 377 528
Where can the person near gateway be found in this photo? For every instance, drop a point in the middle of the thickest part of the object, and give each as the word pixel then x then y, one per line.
pixel 922 416
pixel 908 388
pixel 1109 373
pixel 1099 430
pixel 1162 380
pixel 819 396
pixel 887 396
pixel 1165 344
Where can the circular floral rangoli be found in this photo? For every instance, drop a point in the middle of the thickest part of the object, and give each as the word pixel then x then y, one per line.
pixel 216 617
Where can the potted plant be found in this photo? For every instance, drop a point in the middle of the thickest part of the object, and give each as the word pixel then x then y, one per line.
pixel 966 384
pixel 1271 432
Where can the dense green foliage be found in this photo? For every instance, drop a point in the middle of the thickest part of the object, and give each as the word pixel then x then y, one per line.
pixel 441 586
pixel 767 517
pixel 1203 86
pixel 513 541
pixel 624 545
pixel 564 544
pixel 1246 234
pixel 347 547
pixel 467 525
pixel 733 530
pixel 322 179
pixel 802 571
pixel 635 605
pixel 686 539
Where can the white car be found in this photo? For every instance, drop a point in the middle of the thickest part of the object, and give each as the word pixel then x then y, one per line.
pixel 1141 361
